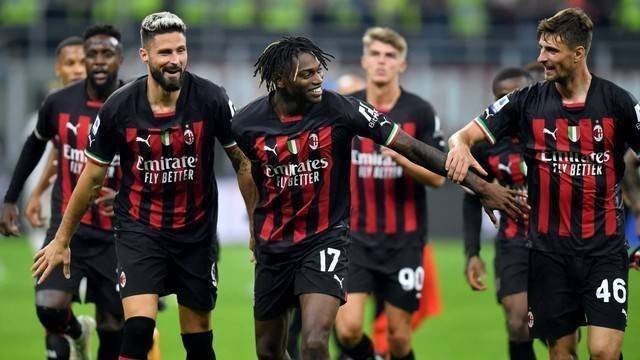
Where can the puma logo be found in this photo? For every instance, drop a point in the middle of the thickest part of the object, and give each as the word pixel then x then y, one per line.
pixel 274 149
pixel 549 132
pixel 73 128
pixel 91 140
pixel 505 168
pixel 385 121
pixel 143 140
pixel 338 280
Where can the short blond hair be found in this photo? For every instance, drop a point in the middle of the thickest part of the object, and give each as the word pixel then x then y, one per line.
pixel 386 36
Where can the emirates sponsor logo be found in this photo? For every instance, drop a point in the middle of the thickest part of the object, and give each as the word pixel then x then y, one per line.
pixel 296 174
pixel 575 163
pixel 76 160
pixel 167 169
pixel 375 165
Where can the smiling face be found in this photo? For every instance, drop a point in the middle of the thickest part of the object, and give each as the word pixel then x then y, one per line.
pixel 382 63
pixel 102 61
pixel 305 82
pixel 166 58
pixel 557 58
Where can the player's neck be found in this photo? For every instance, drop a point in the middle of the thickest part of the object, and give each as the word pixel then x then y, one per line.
pixel 383 96
pixel 94 94
pixel 160 100
pixel 575 88
pixel 285 106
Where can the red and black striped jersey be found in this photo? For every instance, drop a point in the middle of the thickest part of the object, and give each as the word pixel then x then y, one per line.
pixel 574 153
pixel 168 181
pixel 388 207
pixel 301 165
pixel 504 161
pixel 65 117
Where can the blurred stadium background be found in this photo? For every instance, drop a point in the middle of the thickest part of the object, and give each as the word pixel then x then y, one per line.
pixel 455 47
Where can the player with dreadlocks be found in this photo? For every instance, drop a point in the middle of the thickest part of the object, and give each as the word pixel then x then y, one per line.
pixel 299 140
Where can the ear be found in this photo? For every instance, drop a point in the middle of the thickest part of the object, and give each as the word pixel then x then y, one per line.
pixel 403 66
pixel 144 55
pixel 579 54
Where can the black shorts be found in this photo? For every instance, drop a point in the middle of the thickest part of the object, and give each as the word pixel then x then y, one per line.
pixel 397 278
pixel 566 292
pixel 319 266
pixel 151 262
pixel 511 265
pixel 98 266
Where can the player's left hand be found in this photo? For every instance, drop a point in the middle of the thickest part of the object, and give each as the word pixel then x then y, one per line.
pixel 105 201
pixel 475 273
pixel 497 197
pixel 49 257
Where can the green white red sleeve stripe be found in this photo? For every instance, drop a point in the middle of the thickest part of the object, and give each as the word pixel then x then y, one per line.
pixel 96 158
pixel 485 129
pixel 392 136
pixel 229 145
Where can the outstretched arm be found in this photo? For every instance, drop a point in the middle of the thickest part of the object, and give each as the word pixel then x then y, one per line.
pixel 57 251
pixel 31 153
pixel 493 196
pixel 417 172
pixel 242 166
pixel 459 158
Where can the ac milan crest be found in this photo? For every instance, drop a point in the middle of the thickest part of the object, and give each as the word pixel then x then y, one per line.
pixel 598 133
pixel 188 137
pixel 313 141
pixel 122 279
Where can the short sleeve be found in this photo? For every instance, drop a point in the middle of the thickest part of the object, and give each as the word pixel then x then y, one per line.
pixel 367 122
pixel 225 111
pixel 630 109
pixel 45 126
pixel 501 117
pixel 102 144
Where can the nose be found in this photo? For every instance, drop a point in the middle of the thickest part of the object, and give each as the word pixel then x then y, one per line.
pixel 317 78
pixel 542 56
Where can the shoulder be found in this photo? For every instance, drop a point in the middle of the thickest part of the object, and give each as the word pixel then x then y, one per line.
pixel 72 91
pixel 125 93
pixel 360 94
pixel 610 89
pixel 205 89
pixel 257 109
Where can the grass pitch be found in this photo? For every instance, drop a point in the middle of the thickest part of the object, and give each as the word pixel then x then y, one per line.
pixel 471 325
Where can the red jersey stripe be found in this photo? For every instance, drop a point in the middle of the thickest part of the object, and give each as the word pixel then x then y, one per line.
pixel 587 223
pixel 565 192
pixel 155 208
pixel 64 171
pixel 302 214
pixel 135 189
pixel 199 173
pixel 82 129
pixel 324 198
pixel 355 199
pixel 286 211
pixel 181 188
pixel 611 227
pixel 538 126
pixel 368 146
pixel 494 162
pixel 267 225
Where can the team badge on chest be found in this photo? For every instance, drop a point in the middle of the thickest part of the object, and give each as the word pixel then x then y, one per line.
pixel 313 141
pixel 188 137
